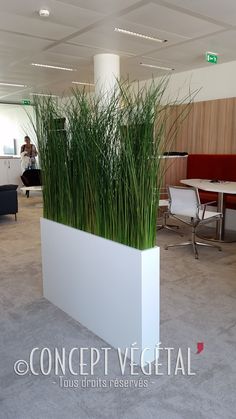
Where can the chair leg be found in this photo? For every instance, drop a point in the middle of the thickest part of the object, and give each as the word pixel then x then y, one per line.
pixel 178 244
pixel 15 217
pixel 27 194
pixel 166 226
pixel 203 243
pixel 209 245
pixel 194 244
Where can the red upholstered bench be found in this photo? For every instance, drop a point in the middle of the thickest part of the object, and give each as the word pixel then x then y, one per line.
pixel 213 166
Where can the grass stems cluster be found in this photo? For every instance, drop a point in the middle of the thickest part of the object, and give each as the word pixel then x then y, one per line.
pixel 103 173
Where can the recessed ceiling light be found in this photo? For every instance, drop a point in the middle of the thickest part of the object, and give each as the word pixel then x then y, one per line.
pixel 55 67
pixel 157 66
pixel 139 35
pixel 211 52
pixel 42 94
pixel 12 84
pixel 83 83
pixel 44 12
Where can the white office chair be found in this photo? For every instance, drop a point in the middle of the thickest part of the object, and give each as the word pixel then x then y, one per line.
pixel 164 213
pixel 186 207
pixel 164 207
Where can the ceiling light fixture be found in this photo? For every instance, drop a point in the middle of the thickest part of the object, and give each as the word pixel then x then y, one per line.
pixel 44 12
pixel 42 94
pixel 211 52
pixel 83 83
pixel 12 84
pixel 157 66
pixel 53 66
pixel 139 35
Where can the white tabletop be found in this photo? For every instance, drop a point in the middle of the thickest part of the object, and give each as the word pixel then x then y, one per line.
pixel 207 185
pixel 31 188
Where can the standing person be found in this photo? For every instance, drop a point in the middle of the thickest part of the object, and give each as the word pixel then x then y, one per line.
pixel 28 153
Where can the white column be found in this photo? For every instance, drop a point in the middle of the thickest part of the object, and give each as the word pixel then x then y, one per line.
pixel 106 74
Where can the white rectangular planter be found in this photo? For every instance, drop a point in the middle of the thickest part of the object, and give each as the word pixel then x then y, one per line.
pixel 110 288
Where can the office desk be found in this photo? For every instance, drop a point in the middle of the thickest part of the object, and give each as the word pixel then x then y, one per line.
pixel 222 188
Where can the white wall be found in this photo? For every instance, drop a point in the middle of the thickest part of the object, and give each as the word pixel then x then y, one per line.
pixel 216 81
pixel 15 124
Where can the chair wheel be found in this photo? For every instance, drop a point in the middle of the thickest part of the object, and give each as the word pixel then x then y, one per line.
pixel 166 247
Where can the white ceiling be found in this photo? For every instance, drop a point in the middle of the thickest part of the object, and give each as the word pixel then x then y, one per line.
pixel 78 29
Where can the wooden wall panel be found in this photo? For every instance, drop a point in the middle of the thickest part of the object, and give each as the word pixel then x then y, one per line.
pixel 210 127
pixel 175 169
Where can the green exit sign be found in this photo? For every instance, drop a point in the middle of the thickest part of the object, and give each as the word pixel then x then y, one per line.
pixel 211 57
pixel 25 102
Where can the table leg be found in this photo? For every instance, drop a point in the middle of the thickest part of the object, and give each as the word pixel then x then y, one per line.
pixel 220 227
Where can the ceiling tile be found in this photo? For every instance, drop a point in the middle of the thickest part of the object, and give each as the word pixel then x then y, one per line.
pixel 109 40
pixel 33 26
pixel 103 6
pixel 222 11
pixel 11 92
pixel 105 37
pixel 25 74
pixel 60 12
pixel 71 15
pixel 64 18
pixel 75 51
pixel 22 42
pixel 8 55
pixel 155 32
pixel 160 17
pixel 54 58
pixel 132 69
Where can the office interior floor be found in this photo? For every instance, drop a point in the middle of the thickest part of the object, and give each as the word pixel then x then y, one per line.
pixel 198 304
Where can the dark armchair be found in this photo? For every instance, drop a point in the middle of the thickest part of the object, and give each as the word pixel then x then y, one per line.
pixel 8 200
pixel 31 177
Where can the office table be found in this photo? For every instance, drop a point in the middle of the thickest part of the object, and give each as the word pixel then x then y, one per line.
pixel 27 189
pixel 222 188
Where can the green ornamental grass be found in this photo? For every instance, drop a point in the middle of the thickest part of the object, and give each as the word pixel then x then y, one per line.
pixel 103 173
